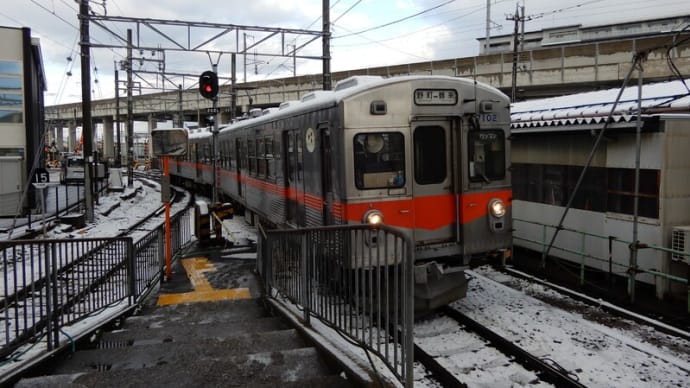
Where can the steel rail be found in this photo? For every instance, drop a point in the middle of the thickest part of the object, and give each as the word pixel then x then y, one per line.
pixel 546 371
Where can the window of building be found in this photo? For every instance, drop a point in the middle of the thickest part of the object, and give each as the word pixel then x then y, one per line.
pixel 602 189
pixel 621 192
pixel 10 68
pixel 11 98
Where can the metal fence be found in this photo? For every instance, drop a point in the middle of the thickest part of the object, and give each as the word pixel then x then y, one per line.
pixel 50 284
pixel 583 244
pixel 356 279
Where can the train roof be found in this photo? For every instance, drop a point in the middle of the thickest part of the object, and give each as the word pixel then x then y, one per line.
pixel 344 89
pixel 558 113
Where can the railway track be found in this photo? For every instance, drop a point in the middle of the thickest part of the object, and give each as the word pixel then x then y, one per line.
pixel 509 336
pixel 546 370
pixel 84 256
pixel 83 275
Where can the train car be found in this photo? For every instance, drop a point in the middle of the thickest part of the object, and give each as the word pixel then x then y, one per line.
pixel 73 169
pixel 426 154
pixel 194 170
pixel 551 142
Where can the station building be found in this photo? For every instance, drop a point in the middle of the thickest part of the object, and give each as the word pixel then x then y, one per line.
pixel 22 83
pixel 554 139
pixel 579 34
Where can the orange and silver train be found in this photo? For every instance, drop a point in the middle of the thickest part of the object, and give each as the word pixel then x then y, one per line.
pixel 425 154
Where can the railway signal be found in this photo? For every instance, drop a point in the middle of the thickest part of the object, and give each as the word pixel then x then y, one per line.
pixel 208 84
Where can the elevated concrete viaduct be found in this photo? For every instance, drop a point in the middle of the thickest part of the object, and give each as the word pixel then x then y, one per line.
pixel 542 72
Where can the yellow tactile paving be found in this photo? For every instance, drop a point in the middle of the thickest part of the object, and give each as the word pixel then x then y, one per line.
pixel 203 291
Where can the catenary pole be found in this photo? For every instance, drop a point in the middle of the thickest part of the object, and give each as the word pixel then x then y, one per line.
pixel 86 126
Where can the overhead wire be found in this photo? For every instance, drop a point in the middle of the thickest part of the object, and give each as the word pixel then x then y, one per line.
pixel 669 56
pixel 464 28
pixel 68 71
pixel 395 21
pixel 73 51
pixel 306 28
pixel 390 47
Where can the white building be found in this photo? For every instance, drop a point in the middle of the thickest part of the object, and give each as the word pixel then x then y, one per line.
pixel 22 83
pixel 563 35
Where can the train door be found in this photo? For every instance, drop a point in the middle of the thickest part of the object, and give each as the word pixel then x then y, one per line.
pixel 326 175
pixel 294 178
pixel 238 166
pixel 435 206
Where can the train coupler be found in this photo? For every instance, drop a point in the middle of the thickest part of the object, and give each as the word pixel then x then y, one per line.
pixel 437 285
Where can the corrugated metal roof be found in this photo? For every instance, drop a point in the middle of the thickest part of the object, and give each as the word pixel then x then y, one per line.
pixel 594 107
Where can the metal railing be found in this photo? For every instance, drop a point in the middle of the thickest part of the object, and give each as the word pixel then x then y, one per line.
pixel 51 284
pixel 356 279
pixel 585 251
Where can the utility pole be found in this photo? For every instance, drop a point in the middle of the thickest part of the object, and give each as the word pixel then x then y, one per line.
pixel 233 85
pixel 130 118
pixel 118 147
pixel 488 27
pixel 180 113
pixel 518 18
pixel 245 57
pixel 214 134
pixel 86 126
pixel 326 44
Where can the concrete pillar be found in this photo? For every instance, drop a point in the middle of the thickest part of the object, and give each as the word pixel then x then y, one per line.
pixel 72 136
pixel 108 144
pixel 224 118
pixel 123 144
pixel 153 124
pixel 59 139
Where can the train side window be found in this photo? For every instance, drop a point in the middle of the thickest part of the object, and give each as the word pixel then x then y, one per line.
pixel 261 158
pixel 379 160
pixel 429 155
pixel 270 157
pixel 251 156
pixel 487 155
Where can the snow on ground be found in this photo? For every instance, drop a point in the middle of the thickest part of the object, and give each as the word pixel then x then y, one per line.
pixel 621 354
pixel 469 357
pixel 129 211
pixel 600 355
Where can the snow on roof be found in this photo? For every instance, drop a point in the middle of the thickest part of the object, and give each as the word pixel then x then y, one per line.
pixel 344 89
pixel 594 107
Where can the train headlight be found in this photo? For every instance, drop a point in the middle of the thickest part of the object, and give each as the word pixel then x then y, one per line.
pixel 497 208
pixel 373 218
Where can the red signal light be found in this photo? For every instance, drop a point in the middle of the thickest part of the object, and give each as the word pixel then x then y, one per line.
pixel 208 84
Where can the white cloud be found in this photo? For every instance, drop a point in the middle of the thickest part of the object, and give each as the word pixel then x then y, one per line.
pixel 445 32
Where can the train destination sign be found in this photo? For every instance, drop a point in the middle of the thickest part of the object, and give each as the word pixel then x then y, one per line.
pixel 435 97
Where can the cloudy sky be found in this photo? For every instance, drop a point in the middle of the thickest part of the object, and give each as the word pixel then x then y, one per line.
pixel 366 33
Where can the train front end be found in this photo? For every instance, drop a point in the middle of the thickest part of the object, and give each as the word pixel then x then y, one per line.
pixel 429 155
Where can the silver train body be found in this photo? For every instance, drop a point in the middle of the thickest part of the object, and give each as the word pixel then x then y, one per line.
pixel 425 154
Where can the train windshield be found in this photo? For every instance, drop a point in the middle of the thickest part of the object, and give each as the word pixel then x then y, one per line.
pixel 487 153
pixel 75 162
pixel 379 160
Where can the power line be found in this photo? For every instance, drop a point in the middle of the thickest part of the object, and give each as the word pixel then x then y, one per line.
pixel 463 29
pixel 394 21
pixel 346 11
pixel 55 14
pixel 389 47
